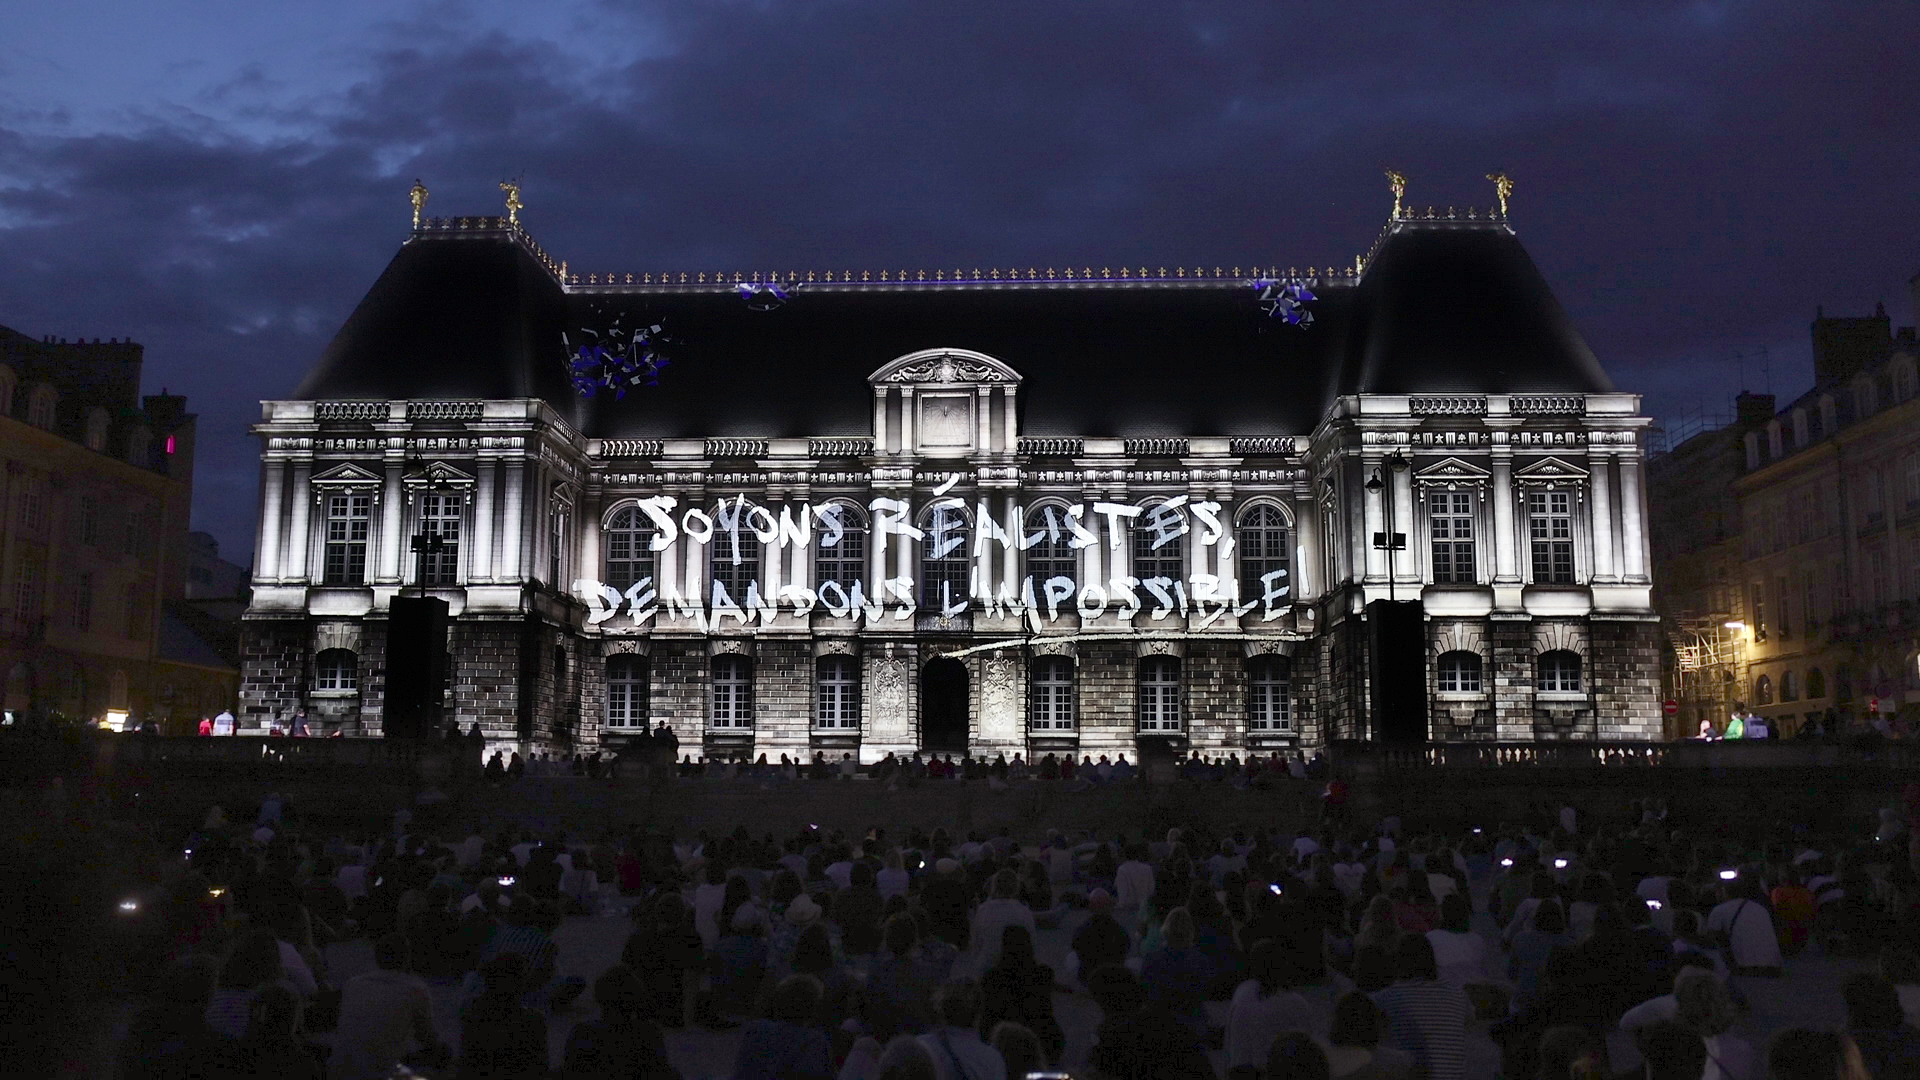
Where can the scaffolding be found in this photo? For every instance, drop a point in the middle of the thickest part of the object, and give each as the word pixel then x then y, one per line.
pixel 1707 677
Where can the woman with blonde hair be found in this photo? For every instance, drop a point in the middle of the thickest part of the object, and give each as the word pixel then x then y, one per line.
pixel 1703 1006
pixel 1178 975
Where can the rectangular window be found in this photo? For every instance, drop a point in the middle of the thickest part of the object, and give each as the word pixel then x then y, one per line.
pixel 1270 695
pixel 836 698
pixel 556 546
pixel 1052 694
pixel 1450 526
pixel 347 518
pixel 440 527
pixel 1842 591
pixel 133 527
pixel 1784 597
pixel 81 605
pixel 1757 605
pixel 1169 560
pixel 1871 499
pixel 732 693
pixel 29 577
pixel 31 514
pixel 840 559
pixel 1550 530
pixel 1809 599
pixel 1911 485
pixel 627 693
pixel 1160 694
pixel 89 520
pixel 1879 591
pixel 735 564
pixel 134 604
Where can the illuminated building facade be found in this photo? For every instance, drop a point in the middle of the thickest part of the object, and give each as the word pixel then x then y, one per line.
pixel 1008 510
pixel 95 487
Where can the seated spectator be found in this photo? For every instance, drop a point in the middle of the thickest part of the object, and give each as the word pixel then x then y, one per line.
pixel 1136 1041
pixel 1020 989
pixel 1426 1017
pixel 1793 906
pixel 787 1043
pixel 170 1039
pixel 1019 1048
pixel 253 961
pixel 1889 1047
pixel 1264 1007
pixel 382 1013
pixel 990 921
pixel 625 1043
pixel 892 881
pixel 1356 1053
pixel 1099 941
pixel 1464 957
pixel 813 955
pixel 1178 976
pixel 736 968
pixel 1671 1052
pixel 1745 927
pixel 664 952
pixel 1295 1056
pixel 1701 1006
pixel 954 1045
pixel 500 1037
pixel 857 911
pixel 271 1046
pixel 1531 949
pixel 1804 1054
pixel 899 992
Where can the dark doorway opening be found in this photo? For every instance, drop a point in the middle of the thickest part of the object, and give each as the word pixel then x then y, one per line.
pixel 943 706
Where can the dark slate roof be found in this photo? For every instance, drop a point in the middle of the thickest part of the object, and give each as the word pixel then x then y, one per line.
pixel 1441 308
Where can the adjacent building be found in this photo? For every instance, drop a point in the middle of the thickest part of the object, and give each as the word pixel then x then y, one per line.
pixel 95 487
pixel 1085 509
pixel 1827 589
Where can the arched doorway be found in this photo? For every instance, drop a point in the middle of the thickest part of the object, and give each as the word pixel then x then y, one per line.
pixel 943 706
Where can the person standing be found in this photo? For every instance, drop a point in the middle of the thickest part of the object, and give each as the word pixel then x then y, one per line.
pixel 298 727
pixel 223 723
pixel 206 725
pixel 1736 723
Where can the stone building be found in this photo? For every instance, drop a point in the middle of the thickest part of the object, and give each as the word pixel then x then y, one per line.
pixel 1018 509
pixel 1828 581
pixel 94 497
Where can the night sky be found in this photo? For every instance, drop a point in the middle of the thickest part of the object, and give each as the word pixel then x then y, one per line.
pixel 222 180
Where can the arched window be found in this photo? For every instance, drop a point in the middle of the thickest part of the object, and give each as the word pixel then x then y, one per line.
pixel 629 547
pixel 732 700
pixel 1053 704
pixel 1269 694
pixel 1559 672
pixel 336 670
pixel 946 562
pixel 1816 684
pixel 1051 554
pixel 1459 672
pixel 97 429
pixel 733 555
pixel 1263 545
pixel 1160 694
pixel 1789 687
pixel 7 382
pixel 1159 552
pixel 836 694
pixel 139 447
pixel 839 547
pixel 40 407
pixel 1763 691
pixel 627 693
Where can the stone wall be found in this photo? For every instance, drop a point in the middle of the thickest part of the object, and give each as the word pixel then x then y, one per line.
pixel 1624 659
pixel 273 660
pixel 783 673
pixel 1106 678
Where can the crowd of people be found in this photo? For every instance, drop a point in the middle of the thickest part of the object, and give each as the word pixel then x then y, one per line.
pixel 1586 945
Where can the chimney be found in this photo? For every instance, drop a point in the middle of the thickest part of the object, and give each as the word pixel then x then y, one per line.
pixel 1753 410
pixel 1844 346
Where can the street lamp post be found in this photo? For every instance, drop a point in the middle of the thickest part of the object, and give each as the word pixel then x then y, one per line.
pixel 1390 540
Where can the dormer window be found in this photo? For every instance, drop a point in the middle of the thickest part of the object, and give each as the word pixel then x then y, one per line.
pixel 1903 378
pixel 96 429
pixel 1829 416
pixel 945 403
pixel 40 407
pixel 1864 403
pixel 1753 449
pixel 1800 432
pixel 1775 451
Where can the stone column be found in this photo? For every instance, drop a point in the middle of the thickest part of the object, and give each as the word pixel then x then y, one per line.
pixel 1011 435
pixel 906 419
pixel 1374 518
pixel 802 559
pixel 482 568
pixel 300 535
pixel 1091 556
pixel 273 479
pixel 1600 519
pixel 667 559
pixel 589 510
pixel 1506 568
pixel 696 588
pixel 1406 565
pixel 880 420
pixel 1010 553
pixel 1633 533
pixel 392 526
pixel 983 420
pixel 770 558
pixel 513 529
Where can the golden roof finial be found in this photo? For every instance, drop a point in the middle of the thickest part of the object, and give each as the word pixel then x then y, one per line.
pixel 512 188
pixel 1502 187
pixel 418 195
pixel 1399 185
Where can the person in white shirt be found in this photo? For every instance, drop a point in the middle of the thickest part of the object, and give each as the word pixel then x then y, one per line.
pixel 223 723
pixel 1462 957
pixel 382 1013
pixel 892 880
pixel 956 1049
pixel 1133 889
pixel 1227 860
pixel 1304 848
pixel 707 898
pixel 995 914
pixel 1745 924
pixel 1265 1007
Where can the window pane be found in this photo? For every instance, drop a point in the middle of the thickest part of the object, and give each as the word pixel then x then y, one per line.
pixel 1160 694
pixel 1263 547
pixel 836 699
pixel 1169 560
pixel 629 541
pixel 626 692
pixel 732 692
pixel 840 559
pixel 1050 556
pixel 1270 702
pixel 1053 694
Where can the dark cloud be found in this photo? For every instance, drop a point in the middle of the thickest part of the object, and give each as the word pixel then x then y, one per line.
pixel 1692 177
